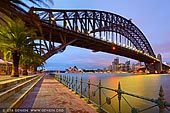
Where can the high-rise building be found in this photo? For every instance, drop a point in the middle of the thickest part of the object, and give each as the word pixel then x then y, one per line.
pixel 122 67
pixel 110 67
pixel 127 65
pixel 116 60
pixel 115 64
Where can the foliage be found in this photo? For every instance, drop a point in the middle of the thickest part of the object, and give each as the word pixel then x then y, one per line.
pixel 17 40
pixel 6 6
pixel 15 36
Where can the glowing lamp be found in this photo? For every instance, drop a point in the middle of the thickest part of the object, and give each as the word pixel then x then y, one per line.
pixel 88 32
pixel 113 48
pixel 52 18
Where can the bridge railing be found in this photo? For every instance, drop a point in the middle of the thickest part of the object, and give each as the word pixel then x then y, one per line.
pixel 97 94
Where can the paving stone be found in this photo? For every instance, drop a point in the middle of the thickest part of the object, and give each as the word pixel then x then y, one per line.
pixel 49 93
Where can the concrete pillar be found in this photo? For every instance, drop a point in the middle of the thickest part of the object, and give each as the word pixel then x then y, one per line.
pixel 159 66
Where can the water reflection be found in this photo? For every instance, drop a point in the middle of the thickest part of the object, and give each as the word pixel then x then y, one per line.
pixel 142 85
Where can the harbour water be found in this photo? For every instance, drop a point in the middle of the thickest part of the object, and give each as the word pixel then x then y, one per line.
pixel 142 85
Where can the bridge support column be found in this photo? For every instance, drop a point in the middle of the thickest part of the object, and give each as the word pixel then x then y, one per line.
pixel 155 67
pixel 159 65
pixel 150 68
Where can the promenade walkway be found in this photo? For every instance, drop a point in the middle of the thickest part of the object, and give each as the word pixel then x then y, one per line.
pixel 49 93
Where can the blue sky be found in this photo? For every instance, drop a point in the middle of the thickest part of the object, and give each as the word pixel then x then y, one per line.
pixel 151 16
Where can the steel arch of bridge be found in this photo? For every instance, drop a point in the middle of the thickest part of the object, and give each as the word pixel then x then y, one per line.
pixel 98 24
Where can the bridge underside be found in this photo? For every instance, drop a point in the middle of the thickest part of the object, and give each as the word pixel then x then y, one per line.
pixel 77 28
pixel 61 35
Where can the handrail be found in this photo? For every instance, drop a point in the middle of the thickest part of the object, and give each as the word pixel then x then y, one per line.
pixel 75 85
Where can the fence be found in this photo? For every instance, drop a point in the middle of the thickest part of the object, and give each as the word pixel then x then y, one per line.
pixel 79 86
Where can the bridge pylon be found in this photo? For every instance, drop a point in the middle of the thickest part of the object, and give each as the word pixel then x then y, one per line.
pixel 156 67
pixel 159 65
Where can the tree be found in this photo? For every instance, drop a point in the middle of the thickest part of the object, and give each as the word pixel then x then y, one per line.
pixel 13 9
pixel 7 6
pixel 16 8
pixel 17 40
pixel 30 59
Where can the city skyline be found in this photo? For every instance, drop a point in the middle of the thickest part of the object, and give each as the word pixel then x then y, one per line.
pixel 151 17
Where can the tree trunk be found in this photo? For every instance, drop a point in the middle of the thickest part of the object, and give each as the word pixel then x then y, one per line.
pixel 35 69
pixel 16 57
pixel 25 72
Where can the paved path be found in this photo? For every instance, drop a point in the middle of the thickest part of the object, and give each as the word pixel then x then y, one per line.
pixel 49 93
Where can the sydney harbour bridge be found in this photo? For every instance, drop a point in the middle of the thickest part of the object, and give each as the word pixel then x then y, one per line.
pixel 92 29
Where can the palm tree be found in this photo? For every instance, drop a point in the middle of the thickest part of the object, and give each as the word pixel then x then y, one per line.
pixel 16 8
pixel 30 59
pixel 14 35
pixel 17 40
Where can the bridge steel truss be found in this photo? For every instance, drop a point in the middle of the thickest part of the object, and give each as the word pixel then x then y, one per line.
pixel 94 30
pixel 98 26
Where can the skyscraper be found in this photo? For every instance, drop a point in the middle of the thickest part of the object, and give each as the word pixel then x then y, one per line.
pixel 115 64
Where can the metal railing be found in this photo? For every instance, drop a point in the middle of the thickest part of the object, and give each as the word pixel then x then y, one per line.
pixel 84 89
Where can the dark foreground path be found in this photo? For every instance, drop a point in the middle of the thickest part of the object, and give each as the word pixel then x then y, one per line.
pixel 49 93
